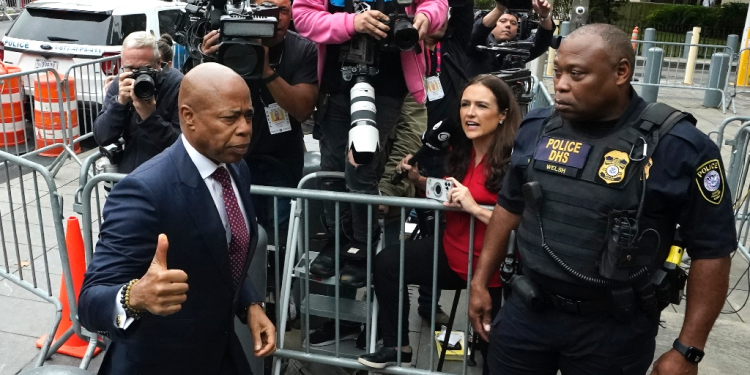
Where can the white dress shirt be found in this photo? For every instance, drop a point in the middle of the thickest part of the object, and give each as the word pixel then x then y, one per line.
pixel 206 167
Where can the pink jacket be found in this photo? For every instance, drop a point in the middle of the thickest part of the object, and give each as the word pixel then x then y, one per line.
pixel 313 21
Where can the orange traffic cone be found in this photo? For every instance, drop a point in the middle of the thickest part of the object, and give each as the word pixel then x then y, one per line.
pixel 74 346
pixel 634 36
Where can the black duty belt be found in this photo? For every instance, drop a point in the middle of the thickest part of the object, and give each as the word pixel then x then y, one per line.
pixel 576 306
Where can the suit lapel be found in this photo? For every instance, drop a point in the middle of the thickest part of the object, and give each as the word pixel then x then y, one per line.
pixel 202 209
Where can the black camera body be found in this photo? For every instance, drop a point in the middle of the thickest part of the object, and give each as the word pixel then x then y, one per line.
pixel 242 25
pixel 114 152
pixel 144 86
pixel 402 36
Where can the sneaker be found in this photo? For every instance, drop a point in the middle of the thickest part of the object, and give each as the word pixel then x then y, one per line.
pixel 384 357
pixel 441 318
pixel 326 335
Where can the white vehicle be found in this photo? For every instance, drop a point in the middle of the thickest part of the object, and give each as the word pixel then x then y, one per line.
pixel 60 34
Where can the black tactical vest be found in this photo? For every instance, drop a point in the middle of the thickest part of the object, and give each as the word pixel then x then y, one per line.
pixel 591 192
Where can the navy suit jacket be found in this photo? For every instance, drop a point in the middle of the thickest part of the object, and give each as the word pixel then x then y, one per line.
pixel 167 195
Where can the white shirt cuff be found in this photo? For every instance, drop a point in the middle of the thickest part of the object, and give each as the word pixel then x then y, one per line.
pixel 122 321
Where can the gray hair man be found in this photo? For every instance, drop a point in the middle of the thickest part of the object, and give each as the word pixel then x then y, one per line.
pixel 147 123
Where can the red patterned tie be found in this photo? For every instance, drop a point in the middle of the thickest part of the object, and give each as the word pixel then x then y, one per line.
pixel 240 236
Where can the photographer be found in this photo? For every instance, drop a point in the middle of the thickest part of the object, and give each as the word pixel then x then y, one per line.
pixel 288 91
pixel 398 72
pixel 477 163
pixel 499 26
pixel 444 59
pixel 148 125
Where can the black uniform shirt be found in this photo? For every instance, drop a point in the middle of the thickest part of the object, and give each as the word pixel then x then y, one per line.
pixel 686 184
pixel 452 61
pixel 298 64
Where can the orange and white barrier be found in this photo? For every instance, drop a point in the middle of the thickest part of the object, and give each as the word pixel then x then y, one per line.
pixel 50 120
pixel 12 129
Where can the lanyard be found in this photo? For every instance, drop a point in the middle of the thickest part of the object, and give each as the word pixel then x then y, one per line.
pixel 439 60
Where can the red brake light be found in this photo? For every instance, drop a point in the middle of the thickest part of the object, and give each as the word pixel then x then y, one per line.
pixel 2 51
pixel 111 67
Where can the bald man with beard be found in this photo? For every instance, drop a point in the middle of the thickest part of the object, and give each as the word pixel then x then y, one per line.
pixel 170 269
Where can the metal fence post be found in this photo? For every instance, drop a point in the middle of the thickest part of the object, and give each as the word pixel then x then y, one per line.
pixel 686 49
pixel 717 78
pixel 733 42
pixel 652 74
pixel 692 56
pixel 565 28
pixel 648 36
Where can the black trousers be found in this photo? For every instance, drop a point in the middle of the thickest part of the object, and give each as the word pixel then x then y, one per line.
pixel 527 342
pixel 334 127
pixel 418 259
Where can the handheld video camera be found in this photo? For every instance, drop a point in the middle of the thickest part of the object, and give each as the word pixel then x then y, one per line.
pixel 512 55
pixel 145 82
pixel 241 24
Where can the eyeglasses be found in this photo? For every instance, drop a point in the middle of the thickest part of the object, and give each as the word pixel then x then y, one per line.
pixel 129 69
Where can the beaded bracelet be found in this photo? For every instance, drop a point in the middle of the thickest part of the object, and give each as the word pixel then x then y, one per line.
pixel 125 301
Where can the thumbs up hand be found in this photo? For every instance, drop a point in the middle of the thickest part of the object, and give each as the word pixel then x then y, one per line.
pixel 160 291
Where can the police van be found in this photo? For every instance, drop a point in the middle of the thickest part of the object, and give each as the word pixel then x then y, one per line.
pixel 59 34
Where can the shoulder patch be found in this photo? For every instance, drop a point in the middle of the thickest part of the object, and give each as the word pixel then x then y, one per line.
pixel 710 181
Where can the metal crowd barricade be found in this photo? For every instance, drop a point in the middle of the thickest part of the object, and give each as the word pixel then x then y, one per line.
pixel 89 169
pixel 32 236
pixel 737 182
pixel 49 115
pixel 90 78
pixel 87 215
pixel 334 307
pixel 541 97
pixel 675 69
pixel 723 128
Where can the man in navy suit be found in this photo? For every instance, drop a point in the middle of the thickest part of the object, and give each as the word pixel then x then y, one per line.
pixel 169 272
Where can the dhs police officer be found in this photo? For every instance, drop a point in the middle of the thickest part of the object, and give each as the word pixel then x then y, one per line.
pixel 595 190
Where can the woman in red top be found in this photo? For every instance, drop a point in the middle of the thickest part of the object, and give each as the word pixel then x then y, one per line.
pixel 477 163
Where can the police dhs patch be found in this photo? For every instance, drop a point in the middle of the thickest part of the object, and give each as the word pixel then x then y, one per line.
pixel 710 181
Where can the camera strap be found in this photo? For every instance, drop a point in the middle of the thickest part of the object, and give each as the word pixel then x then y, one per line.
pixel 433 86
pixel 439 60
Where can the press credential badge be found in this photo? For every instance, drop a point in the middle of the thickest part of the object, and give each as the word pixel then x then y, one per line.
pixel 434 88
pixel 278 119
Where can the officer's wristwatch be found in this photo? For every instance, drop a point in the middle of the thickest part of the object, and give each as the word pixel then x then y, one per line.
pixel 691 353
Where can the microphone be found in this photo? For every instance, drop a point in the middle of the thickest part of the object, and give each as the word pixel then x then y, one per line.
pixel 435 139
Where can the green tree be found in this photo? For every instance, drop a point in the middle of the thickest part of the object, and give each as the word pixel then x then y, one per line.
pixel 561 9
pixel 605 11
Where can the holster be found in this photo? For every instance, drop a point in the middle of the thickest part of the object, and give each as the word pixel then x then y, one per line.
pixel 623 303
